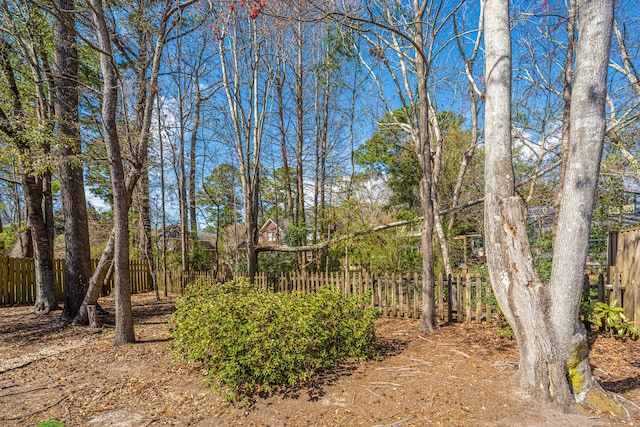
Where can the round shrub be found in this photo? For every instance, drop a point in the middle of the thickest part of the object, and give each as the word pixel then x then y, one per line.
pixel 251 341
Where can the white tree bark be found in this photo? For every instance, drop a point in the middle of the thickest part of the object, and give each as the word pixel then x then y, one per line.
pixel 545 317
pixel 587 132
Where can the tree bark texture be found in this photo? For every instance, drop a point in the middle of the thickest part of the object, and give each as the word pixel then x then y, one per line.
pixel 42 248
pixel 587 133
pixel 139 158
pixel 121 199
pixel 545 317
pixel 74 204
pixel 423 150
pixel 33 189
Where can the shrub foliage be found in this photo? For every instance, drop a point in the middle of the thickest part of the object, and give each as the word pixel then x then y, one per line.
pixel 252 341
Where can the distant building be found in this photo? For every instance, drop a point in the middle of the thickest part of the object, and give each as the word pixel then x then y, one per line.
pixel 272 232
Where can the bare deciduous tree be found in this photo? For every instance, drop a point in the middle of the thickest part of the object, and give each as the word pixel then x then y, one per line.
pixel 544 316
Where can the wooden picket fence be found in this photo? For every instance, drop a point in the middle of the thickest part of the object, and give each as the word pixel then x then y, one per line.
pixel 18 279
pixel 461 298
pixel 175 280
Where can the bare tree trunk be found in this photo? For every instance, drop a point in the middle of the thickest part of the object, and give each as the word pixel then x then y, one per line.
pixel 32 188
pixel 192 161
pixel 474 98
pixel 142 64
pixel 144 230
pixel 566 112
pixel 571 245
pixel 300 214
pixel 248 125
pixel 435 177
pixel 162 202
pixel 182 179
pixel 74 204
pixel 283 140
pixel 121 198
pixel 139 156
pixel 423 150
pixel 551 339
pixel 42 247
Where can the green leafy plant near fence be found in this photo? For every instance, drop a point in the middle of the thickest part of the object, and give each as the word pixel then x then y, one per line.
pixel 611 318
pixel 252 341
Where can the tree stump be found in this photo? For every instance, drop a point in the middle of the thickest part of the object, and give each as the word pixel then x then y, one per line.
pixel 93 316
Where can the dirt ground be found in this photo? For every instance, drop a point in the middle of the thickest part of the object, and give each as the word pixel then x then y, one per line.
pixel 461 375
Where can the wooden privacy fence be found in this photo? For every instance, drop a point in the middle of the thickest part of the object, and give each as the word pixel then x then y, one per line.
pixel 18 279
pixel 627 295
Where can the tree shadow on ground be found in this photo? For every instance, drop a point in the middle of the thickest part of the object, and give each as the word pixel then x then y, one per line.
pixel 27 327
pixel 314 388
pixel 143 314
pixel 621 386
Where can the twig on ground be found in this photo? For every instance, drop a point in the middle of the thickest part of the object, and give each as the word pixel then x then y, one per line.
pixel 416 360
pixel 458 378
pixel 465 355
pixel 392 384
pixel 384 383
pixel 603 371
pixel 504 365
pixel 617 396
pixel 375 394
pixel 402 368
pixel 626 411
pixel 396 424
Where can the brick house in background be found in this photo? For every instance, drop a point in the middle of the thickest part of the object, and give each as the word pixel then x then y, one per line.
pixel 272 232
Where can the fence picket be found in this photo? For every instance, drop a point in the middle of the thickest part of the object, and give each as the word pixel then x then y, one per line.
pixel 478 284
pixel 467 303
pixel 416 305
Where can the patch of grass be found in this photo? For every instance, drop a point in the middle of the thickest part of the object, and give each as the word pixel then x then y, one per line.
pixel 49 423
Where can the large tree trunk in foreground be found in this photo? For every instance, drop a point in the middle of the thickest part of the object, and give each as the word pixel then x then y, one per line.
pixel 139 162
pixel 42 248
pixel 121 197
pixel 571 243
pixel 76 223
pixel 545 317
pixel 423 150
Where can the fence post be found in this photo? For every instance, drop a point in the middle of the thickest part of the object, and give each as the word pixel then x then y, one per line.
pixel 586 288
pixel 416 304
pixel 449 298
pixel 441 289
pixel 600 287
pixel 478 299
pixel 467 303
pixel 459 298
pixel 617 289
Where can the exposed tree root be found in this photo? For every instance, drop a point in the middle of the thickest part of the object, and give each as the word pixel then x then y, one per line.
pixel 43 308
pixel 605 402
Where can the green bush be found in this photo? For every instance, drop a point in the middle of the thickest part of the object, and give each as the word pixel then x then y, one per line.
pixel 252 341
